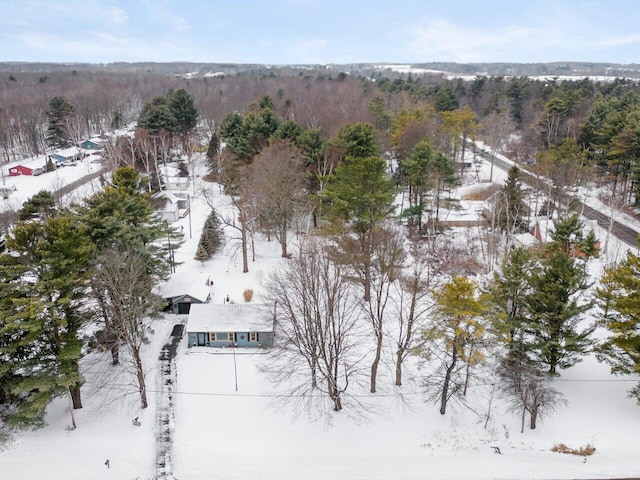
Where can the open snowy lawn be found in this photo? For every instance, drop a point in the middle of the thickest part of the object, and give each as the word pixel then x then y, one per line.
pixel 221 433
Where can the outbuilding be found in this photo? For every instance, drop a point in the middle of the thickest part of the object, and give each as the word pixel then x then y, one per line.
pixel 185 289
pixel 18 170
pixel 230 325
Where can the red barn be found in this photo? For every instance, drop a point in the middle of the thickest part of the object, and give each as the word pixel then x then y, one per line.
pixel 22 170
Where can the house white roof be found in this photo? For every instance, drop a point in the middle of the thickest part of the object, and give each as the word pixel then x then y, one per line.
pixel 171 197
pixel 169 171
pixel 68 152
pixel 230 317
pixel 186 283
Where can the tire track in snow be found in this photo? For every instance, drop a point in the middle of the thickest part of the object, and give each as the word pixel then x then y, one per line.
pixel 165 401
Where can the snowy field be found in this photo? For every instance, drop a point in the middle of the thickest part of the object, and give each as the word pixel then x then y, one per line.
pixel 223 434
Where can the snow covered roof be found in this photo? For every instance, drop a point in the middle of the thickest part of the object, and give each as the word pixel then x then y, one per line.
pixel 68 152
pixel 169 171
pixel 194 284
pixel 34 162
pixel 172 197
pixel 229 317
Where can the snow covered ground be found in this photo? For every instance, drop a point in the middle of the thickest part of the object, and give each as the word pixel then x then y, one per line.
pixel 223 434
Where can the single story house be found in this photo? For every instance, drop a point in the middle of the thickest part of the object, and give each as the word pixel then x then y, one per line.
pixel 68 156
pixel 172 206
pixel 92 144
pixel 182 290
pixel 230 325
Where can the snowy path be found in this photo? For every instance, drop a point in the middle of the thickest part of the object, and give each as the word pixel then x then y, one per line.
pixel 166 404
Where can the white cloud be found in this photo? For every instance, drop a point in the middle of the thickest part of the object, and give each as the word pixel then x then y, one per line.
pixel 180 24
pixel 558 37
pixel 116 15
pixel 160 11
pixel 442 40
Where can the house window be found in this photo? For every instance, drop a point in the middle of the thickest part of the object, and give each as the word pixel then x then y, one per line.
pixel 231 336
pixel 253 336
pixel 221 337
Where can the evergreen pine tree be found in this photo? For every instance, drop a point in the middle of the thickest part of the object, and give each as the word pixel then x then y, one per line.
pixel 619 298
pixel 122 216
pixel 59 110
pixel 507 295
pixel 454 337
pixel 555 303
pixel 42 204
pixel 183 110
pixel 210 239
pixel 213 150
pixel 509 206
pixel 44 271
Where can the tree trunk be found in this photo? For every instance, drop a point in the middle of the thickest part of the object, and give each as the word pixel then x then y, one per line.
pixel 367 281
pixel 334 395
pixel 447 379
pixel 337 403
pixel 245 259
pixel 399 355
pixel 115 355
pixel 283 243
pixel 376 362
pixel 534 417
pixel 140 376
pixel 75 396
pixel 466 379
pixel 467 370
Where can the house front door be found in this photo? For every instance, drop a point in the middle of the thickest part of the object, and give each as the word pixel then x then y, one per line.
pixel 202 339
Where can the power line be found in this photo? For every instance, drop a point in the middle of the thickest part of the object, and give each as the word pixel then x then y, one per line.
pixel 321 395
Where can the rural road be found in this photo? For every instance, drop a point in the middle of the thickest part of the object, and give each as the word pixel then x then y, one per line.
pixel 625 233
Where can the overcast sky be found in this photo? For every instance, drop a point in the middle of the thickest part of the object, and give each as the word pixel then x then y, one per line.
pixel 320 31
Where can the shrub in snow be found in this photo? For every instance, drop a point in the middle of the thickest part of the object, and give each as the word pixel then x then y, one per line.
pixel 247 294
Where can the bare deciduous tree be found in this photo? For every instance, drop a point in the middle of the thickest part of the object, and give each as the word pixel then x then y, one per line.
pixel 125 286
pixel 528 390
pixel 376 269
pixel 276 182
pixel 317 337
pixel 241 222
pixel 414 302
pixel 497 127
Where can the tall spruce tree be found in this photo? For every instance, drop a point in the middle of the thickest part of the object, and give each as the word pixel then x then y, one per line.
pixel 556 302
pixel 122 216
pixel 509 206
pixel 184 111
pixel 507 294
pixel 211 238
pixel 45 268
pixel 59 111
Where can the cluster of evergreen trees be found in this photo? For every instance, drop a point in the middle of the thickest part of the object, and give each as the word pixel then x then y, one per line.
pixel 54 291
